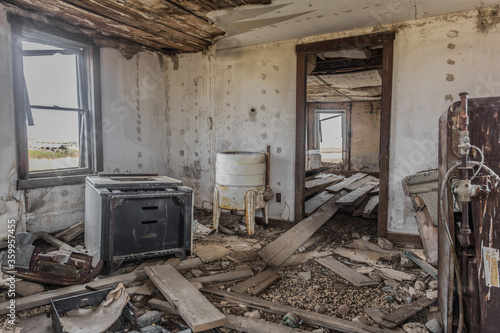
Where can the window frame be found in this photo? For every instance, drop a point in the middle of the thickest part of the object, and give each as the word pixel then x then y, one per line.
pixel 90 103
pixel 340 113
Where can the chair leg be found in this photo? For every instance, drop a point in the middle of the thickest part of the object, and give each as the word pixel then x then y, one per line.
pixel 216 210
pixel 265 212
pixel 250 211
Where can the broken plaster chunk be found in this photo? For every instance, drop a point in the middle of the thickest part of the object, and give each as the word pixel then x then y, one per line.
pixel 305 275
pixel 26 288
pixel 253 314
pixel 431 294
pixel 420 285
pixel 384 243
pixel 415 328
pixel 434 326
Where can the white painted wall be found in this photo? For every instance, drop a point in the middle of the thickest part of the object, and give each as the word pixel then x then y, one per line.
pixel 134 139
pixel 425 84
pixel 209 110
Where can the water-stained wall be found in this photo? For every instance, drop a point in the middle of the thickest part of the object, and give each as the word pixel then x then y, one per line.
pixel 242 99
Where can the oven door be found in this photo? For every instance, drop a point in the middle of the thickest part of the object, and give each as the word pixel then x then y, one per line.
pixel 144 225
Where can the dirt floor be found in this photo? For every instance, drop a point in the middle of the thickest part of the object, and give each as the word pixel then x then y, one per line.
pixel 308 286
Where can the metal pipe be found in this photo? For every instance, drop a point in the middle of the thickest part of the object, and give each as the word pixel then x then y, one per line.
pixel 464 233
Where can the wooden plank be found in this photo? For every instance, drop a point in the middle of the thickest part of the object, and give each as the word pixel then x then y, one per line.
pixel 385 132
pixel 405 312
pixel 72 232
pixel 56 242
pixel 236 274
pixel 192 306
pixel 279 250
pixel 307 317
pixel 323 181
pixel 428 231
pixel 347 181
pixel 423 264
pixel 378 315
pixel 246 285
pixel 261 287
pixel 318 185
pixel 364 256
pixel 371 206
pixel 394 274
pixel 356 195
pixel 317 201
pixel 368 179
pixel 347 273
pixel 367 245
pixel 148 288
pixel 302 258
pixel 44 298
pixel 189 263
pixel 361 208
pixel 249 325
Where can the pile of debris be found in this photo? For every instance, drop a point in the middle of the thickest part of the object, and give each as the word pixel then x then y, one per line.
pixel 356 195
pixel 324 275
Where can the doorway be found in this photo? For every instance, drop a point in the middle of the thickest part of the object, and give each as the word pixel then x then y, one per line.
pixel 344 98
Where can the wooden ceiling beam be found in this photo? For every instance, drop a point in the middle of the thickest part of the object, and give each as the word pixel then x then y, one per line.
pixel 195 7
pixel 104 26
pixel 143 19
pixel 167 10
pixel 346 65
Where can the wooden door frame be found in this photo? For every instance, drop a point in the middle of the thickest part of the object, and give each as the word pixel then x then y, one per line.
pixel 303 50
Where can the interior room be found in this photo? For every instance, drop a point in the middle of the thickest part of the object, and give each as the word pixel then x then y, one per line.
pixel 286 165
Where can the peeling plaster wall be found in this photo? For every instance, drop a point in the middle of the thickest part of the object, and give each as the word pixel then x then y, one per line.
pixel 242 99
pixel 435 60
pixel 190 124
pixel 133 113
pixel 365 136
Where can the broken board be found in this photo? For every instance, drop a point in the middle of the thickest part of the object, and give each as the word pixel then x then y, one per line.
pixel 347 273
pixel 405 312
pixel 340 186
pixel 237 274
pixel 371 206
pixel 250 325
pixel 352 186
pixel 364 256
pixel 245 286
pixel 356 195
pixel 317 201
pixel 279 250
pixel 192 306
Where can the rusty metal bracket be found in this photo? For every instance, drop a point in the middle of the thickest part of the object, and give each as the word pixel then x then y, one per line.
pixel 58 268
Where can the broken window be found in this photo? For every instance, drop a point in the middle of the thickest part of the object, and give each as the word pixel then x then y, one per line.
pixel 55 75
pixel 330 135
